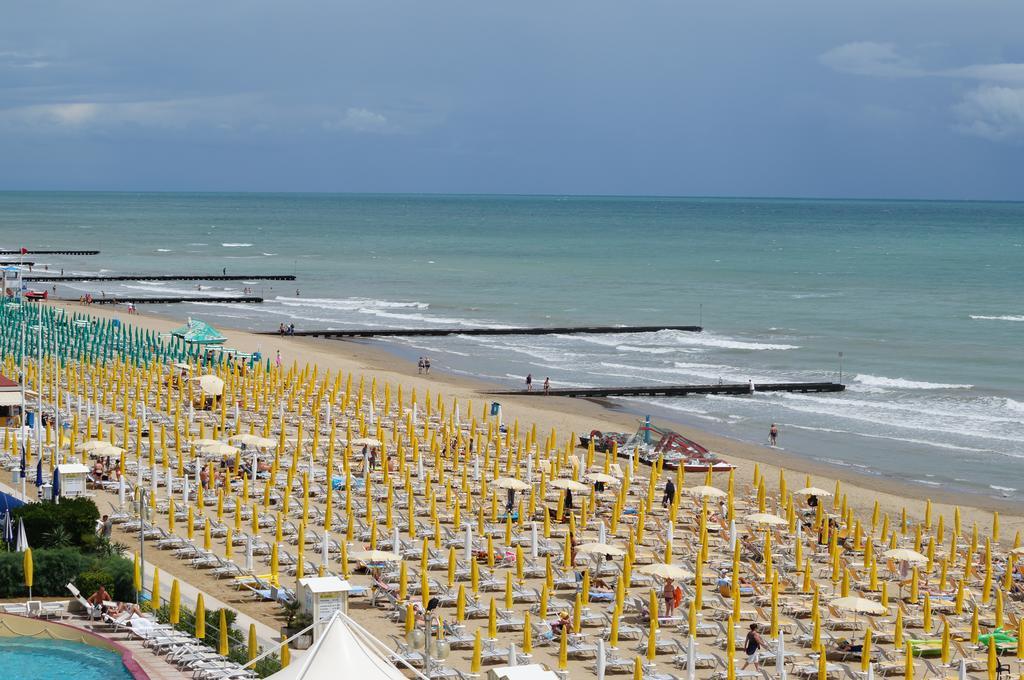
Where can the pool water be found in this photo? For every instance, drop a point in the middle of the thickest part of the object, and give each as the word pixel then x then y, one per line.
pixel 40 659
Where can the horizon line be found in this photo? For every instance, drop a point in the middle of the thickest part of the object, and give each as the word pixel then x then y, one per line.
pixel 713 197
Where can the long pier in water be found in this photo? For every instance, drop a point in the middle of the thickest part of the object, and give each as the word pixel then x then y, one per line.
pixel 248 299
pixel 50 252
pixel 420 332
pixel 675 390
pixel 163 277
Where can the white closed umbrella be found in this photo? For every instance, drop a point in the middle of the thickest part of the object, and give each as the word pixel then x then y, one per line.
pixel 533 540
pixel 529 470
pixel 732 536
pixel 325 551
pixel 871 671
pixel 170 481
pixel 468 548
pixel 120 491
pixel 184 490
pixel 780 655
pixel 476 468
pixel 248 553
pixel 962 670
pixel 396 542
pixel 602 534
pixel 600 658
pixel 22 544
pixel 512 660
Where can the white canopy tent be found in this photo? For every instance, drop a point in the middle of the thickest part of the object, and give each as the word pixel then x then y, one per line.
pixel 343 645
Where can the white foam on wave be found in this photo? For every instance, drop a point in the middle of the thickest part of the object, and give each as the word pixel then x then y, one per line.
pixel 996 487
pixel 1001 317
pixel 164 250
pixel 347 304
pixel 904 384
pixel 236 245
pixel 671 339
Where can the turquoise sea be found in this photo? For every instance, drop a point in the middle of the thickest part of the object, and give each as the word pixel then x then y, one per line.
pixel 925 300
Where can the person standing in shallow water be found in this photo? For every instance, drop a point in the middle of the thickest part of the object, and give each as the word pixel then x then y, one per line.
pixel 547 385
pixel 529 382
pixel 773 434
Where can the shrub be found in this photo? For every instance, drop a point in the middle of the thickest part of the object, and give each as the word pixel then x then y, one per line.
pixel 49 525
pixel 54 568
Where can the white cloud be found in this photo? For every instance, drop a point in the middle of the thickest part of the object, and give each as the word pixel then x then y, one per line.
pixel 870 59
pixel 360 120
pixel 30 60
pixel 162 113
pixel 884 60
pixel 993 112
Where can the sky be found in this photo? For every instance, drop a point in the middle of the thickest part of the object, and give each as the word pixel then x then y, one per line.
pixel 875 98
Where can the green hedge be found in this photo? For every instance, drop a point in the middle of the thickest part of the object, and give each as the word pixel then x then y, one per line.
pixel 54 568
pixel 70 523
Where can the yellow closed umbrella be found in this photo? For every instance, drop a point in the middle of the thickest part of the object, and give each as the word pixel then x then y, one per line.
pixel 527 634
pixel 563 651
pixel 638 668
pixel 254 648
pixel 26 563
pixel 865 654
pixel 137 575
pixel 200 617
pixel 222 638
pixel 474 665
pixel 174 615
pixel 822 666
pixel 492 620
pixel 993 660
pixel 154 590
pixel 945 642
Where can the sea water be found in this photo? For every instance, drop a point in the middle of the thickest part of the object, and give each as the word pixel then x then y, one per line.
pixel 925 301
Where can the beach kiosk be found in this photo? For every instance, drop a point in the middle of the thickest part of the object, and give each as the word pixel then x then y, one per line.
pixel 320 597
pixel 72 479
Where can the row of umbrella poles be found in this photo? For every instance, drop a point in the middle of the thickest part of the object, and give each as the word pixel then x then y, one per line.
pixel 78 335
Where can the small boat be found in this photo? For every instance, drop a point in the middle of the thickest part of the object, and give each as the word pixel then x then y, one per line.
pixel 671 447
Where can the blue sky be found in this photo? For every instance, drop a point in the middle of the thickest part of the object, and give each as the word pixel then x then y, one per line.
pixel 868 99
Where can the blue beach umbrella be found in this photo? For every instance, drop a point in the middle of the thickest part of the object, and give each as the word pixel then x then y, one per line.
pixel 39 471
pixel 23 463
pixel 56 483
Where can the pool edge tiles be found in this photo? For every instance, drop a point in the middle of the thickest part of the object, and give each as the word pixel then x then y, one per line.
pixel 13 625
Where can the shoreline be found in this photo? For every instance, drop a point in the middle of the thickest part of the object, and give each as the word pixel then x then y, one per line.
pixel 582 415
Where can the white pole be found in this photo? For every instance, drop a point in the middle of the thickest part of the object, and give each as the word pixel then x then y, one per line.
pixel 600 659
pixel 533 540
pixel 325 550
pixel 691 657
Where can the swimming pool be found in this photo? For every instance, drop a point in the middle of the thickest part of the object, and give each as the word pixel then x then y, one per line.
pixel 39 659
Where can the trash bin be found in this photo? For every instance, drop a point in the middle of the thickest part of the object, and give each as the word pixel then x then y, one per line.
pixel 495 408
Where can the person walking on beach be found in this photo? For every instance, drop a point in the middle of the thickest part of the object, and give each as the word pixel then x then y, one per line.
pixel 419 365
pixel 277 359
pixel 668 593
pixel 670 494
pixel 547 386
pixel 751 646
pixel 529 382
pixel 773 434
pixel 224 271
pixel 426 365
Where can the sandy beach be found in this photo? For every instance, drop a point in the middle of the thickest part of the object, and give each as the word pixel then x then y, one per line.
pixel 563 414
